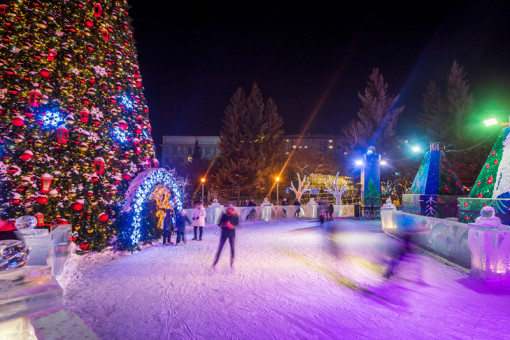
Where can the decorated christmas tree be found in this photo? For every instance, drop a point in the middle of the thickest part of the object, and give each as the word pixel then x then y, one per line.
pixel 436 176
pixel 74 120
pixel 492 187
pixel 435 188
pixel 493 180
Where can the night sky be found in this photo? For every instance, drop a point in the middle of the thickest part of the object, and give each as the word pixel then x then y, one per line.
pixel 192 60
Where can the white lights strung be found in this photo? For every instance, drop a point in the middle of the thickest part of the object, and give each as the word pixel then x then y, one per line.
pixel 303 186
pixel 139 192
pixel 335 190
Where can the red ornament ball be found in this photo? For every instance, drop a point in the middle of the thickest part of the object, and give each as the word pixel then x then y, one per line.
pixel 103 217
pixel 77 206
pixel 489 180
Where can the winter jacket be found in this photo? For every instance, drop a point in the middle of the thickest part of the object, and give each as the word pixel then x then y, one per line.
pixel 229 219
pixel 169 224
pixel 182 222
pixel 198 217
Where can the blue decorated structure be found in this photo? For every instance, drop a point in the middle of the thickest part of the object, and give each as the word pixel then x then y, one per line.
pixel 134 214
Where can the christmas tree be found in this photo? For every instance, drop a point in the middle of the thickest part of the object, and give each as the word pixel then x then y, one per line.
pixel 491 182
pixel 74 120
pixel 436 176
pixel 435 188
pixel 492 186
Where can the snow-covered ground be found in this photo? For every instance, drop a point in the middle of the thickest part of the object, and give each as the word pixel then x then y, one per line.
pixel 287 284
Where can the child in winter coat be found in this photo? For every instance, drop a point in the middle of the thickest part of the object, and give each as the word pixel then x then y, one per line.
pixel 198 221
pixel 182 221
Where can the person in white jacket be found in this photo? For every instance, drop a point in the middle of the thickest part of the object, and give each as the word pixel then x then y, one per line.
pixel 198 221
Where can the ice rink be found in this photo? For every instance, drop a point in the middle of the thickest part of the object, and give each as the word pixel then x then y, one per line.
pixel 292 279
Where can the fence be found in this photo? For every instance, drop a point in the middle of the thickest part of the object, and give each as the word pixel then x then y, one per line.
pixel 273 212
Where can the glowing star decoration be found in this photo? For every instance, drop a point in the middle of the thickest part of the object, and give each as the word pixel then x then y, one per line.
pixel 52 119
pixel 128 104
pixel 161 195
pixel 139 192
pixel 120 135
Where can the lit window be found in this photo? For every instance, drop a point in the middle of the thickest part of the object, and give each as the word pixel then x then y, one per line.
pixel 331 146
pixel 293 146
pixel 287 153
pixel 190 159
pixel 287 140
pixel 331 141
pixel 306 146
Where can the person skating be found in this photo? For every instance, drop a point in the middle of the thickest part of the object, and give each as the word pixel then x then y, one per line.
pixel 397 253
pixel 168 226
pixel 182 221
pixel 228 222
pixel 198 221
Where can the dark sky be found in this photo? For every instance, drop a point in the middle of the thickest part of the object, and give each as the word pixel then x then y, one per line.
pixel 192 60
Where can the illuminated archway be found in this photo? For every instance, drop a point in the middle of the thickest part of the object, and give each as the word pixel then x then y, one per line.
pixel 140 191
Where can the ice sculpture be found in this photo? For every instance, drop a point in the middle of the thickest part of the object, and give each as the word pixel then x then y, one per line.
pixel 489 242
pixel 13 254
pixel 25 222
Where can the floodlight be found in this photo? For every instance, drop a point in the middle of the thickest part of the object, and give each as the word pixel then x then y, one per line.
pixel 490 122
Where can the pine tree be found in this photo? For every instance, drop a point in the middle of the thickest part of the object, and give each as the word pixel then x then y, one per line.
pixel 250 142
pixel 271 148
pixel 74 121
pixel 378 115
pixel 197 152
pixel 433 118
pixel 459 102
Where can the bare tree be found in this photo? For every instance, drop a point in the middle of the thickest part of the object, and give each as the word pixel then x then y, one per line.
pixel 334 189
pixel 303 186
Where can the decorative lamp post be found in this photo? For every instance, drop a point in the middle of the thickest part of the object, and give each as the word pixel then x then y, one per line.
pixel 277 192
pixel 203 181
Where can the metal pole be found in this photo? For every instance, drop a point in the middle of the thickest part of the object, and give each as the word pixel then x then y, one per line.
pixel 277 193
pixel 202 193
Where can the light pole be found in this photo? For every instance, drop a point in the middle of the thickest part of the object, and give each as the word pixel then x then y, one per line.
pixel 277 193
pixel 203 181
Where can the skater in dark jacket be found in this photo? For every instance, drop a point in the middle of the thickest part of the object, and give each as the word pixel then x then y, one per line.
pixel 228 223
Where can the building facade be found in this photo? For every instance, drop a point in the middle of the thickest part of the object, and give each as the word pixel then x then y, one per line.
pixel 329 144
pixel 178 150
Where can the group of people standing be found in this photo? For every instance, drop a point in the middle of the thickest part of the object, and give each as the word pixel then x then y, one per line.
pixel 326 211
pixel 179 223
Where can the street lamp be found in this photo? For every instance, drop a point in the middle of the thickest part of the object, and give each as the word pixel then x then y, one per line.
pixel 203 181
pixel 277 193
